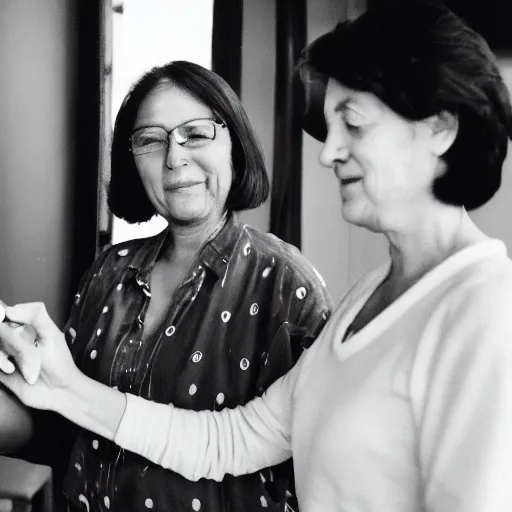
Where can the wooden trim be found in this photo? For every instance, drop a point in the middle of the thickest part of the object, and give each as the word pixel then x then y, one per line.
pixel 286 205
pixel 227 41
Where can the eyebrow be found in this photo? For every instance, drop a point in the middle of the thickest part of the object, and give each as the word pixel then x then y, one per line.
pixel 164 128
pixel 342 105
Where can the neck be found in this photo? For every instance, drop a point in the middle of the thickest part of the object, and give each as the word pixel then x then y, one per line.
pixel 428 240
pixel 186 241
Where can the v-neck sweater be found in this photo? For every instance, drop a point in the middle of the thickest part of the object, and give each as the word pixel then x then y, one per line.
pixel 413 413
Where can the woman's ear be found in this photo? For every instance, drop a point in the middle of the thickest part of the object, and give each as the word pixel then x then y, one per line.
pixel 444 128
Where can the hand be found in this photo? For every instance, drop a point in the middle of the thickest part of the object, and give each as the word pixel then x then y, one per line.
pixel 58 370
pixel 22 353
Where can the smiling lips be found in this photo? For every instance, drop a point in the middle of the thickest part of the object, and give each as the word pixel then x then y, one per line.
pixel 182 184
pixel 349 181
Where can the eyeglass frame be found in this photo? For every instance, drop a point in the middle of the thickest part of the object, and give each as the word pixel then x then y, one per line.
pixel 215 122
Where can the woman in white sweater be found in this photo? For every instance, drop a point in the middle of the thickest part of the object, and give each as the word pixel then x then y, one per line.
pixel 404 403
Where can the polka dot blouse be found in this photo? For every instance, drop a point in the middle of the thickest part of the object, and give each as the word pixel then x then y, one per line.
pixel 239 321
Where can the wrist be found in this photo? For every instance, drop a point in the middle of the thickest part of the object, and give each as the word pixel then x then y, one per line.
pixel 91 405
pixel 66 398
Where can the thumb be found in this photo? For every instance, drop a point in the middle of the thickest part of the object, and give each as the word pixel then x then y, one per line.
pixel 35 315
pixel 22 350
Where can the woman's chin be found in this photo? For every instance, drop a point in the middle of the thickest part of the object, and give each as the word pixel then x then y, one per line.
pixel 189 215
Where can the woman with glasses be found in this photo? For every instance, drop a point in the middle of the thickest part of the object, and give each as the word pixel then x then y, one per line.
pixel 205 315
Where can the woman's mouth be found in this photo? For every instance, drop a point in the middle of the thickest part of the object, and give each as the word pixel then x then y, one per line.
pixel 349 181
pixel 181 185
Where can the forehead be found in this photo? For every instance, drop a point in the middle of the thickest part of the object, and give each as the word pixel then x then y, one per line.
pixel 339 97
pixel 168 105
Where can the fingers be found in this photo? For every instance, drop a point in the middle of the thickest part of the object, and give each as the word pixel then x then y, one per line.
pixel 22 350
pixel 35 315
pixel 6 365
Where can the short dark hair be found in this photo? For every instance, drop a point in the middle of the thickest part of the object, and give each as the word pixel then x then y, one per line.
pixel 420 59
pixel 127 197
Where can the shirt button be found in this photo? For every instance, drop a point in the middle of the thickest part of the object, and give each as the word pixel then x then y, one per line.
pixel 196 504
pixel 225 316
pixel 220 398
pixel 247 249
pixel 93 354
pixel 98 332
pixel 192 389
pixel 106 500
pixel 196 357
pixel 170 330
pixel 301 292
pixel 119 286
pixel 244 363
pixel 105 309
pixel 149 503
pixel 95 444
pixel 123 252
pixel 253 310
pixel 72 333
pixel 266 272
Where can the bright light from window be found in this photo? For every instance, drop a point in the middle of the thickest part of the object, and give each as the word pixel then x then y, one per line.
pixel 150 33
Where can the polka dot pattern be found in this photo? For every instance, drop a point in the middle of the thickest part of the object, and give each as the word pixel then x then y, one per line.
pixel 210 340
pixel 301 292
pixel 197 356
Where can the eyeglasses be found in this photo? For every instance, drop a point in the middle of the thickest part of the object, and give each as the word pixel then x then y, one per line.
pixel 192 134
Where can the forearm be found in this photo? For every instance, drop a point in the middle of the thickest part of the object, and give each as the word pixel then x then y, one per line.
pixel 204 444
pixel 92 406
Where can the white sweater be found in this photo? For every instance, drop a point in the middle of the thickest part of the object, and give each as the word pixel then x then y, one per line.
pixel 413 413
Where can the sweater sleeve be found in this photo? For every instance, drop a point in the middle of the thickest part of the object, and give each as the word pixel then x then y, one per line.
pixel 210 444
pixel 461 388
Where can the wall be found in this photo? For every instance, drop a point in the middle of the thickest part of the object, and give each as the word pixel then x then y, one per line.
pixel 495 217
pixel 35 151
pixel 258 85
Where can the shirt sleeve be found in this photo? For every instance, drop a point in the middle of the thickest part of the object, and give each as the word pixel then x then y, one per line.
pixel 210 444
pixel 462 397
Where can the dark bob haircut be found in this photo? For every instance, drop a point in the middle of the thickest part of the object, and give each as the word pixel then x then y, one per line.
pixel 126 195
pixel 420 59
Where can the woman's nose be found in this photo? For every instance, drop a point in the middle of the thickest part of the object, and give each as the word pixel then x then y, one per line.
pixel 177 155
pixel 335 148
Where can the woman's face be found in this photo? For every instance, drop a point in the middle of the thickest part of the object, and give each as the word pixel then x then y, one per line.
pixel 384 163
pixel 187 183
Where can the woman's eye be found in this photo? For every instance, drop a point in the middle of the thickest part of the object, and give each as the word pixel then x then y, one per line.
pixel 148 139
